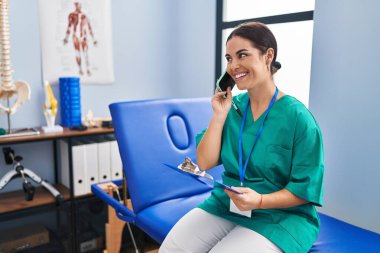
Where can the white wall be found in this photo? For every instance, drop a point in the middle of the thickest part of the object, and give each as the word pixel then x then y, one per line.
pixel 161 49
pixel 344 98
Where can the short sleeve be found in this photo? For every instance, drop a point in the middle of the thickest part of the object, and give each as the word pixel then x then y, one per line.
pixel 307 171
pixel 199 137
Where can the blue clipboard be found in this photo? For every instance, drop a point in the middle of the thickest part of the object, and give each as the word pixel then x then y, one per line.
pixel 203 179
pixel 226 187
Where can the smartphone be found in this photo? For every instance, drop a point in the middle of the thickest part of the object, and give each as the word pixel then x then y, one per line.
pixel 225 81
pixel 227 187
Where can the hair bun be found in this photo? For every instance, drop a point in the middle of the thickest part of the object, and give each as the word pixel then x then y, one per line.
pixel 277 65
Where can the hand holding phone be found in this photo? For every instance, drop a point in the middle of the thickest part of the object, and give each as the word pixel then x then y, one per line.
pixel 225 81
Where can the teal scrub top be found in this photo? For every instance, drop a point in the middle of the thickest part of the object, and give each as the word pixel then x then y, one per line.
pixel 288 154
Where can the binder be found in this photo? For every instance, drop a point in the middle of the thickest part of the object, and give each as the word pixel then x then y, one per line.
pixel 79 170
pixel 116 165
pixel 91 166
pixel 104 161
pixel 79 167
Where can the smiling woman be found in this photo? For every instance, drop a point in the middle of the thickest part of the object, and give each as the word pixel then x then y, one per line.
pixel 278 166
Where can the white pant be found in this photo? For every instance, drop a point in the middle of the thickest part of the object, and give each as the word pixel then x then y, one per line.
pixel 199 231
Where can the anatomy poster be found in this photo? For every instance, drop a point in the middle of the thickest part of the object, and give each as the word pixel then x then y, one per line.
pixel 76 40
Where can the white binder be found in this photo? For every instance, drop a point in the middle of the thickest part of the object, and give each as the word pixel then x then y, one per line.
pixel 104 161
pixel 92 171
pixel 79 168
pixel 116 165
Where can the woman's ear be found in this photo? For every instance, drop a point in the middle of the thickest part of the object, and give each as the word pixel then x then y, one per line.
pixel 269 55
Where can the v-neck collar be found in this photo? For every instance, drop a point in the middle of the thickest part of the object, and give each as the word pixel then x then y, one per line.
pixel 250 118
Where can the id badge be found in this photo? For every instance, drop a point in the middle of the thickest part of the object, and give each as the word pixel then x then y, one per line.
pixel 234 209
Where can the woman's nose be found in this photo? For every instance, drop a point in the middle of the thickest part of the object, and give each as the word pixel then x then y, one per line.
pixel 234 65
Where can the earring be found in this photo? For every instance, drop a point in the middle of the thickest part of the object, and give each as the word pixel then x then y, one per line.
pixel 268 67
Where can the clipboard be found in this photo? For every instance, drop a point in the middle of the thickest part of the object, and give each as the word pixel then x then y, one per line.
pixel 226 187
pixel 206 180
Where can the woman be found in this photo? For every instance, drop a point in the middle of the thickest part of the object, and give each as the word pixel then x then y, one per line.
pixel 273 154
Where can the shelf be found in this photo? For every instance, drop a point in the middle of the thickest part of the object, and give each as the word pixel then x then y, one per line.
pixel 13 204
pixel 51 136
pixel 14 201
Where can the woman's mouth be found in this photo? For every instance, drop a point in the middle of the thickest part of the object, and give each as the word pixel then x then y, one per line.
pixel 240 76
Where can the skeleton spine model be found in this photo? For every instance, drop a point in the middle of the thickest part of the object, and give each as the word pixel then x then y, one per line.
pixel 19 89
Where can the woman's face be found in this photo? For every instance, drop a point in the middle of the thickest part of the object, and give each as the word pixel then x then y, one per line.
pixel 246 64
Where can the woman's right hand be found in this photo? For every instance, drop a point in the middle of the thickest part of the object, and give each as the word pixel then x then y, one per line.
pixel 220 105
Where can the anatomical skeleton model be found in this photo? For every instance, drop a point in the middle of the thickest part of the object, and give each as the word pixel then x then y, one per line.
pixel 19 90
pixel 50 109
pixel 50 106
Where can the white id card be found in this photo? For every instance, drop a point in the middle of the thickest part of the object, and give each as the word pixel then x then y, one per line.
pixel 234 209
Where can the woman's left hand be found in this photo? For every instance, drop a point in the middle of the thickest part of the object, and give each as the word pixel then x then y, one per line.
pixel 248 200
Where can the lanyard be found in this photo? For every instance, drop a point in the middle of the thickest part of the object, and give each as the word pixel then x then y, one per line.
pixel 241 168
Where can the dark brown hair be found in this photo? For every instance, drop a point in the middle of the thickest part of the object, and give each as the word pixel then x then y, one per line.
pixel 261 38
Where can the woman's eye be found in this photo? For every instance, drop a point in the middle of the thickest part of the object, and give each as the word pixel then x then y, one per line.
pixel 228 59
pixel 242 55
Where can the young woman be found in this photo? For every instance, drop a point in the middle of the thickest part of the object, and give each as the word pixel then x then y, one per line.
pixel 273 155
